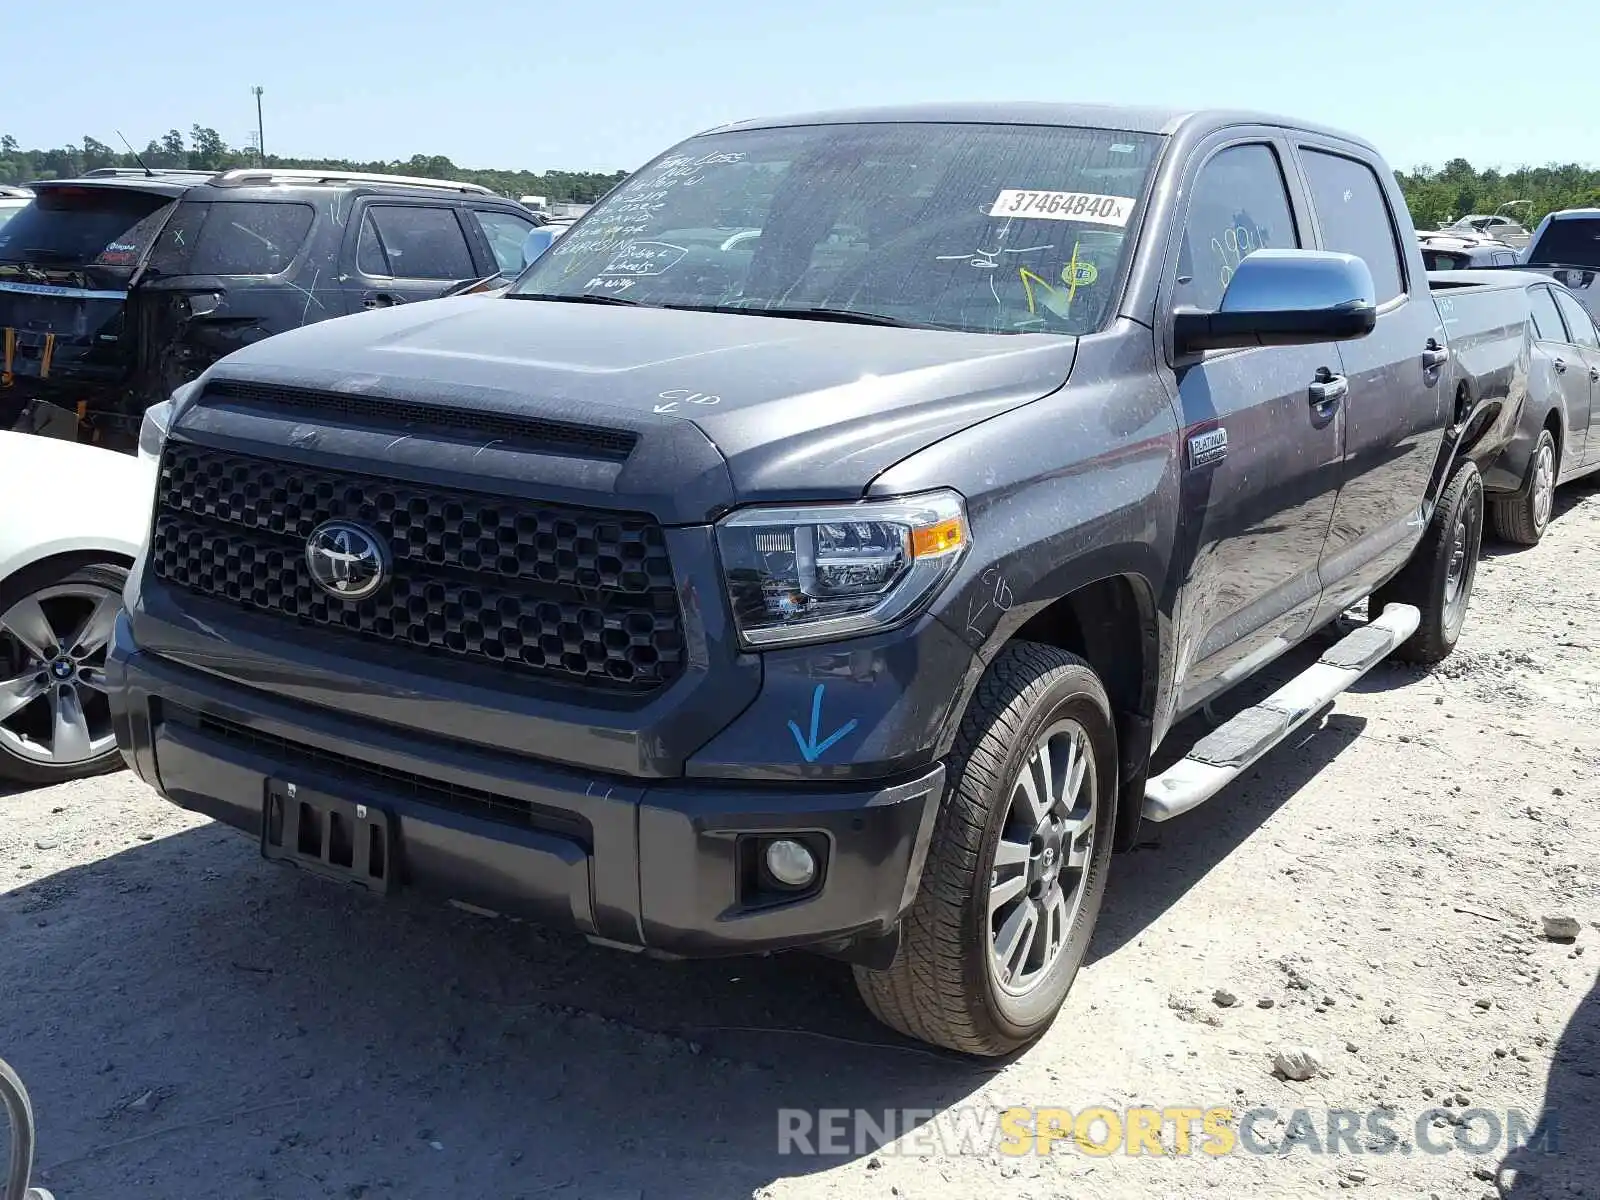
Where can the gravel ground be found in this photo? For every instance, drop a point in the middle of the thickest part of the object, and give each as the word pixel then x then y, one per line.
pixel 194 1022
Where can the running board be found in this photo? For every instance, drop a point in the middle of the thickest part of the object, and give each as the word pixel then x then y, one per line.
pixel 1219 757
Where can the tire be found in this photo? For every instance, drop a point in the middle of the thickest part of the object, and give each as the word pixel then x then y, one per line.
pixel 1438 579
pixel 1522 518
pixel 944 985
pixel 55 720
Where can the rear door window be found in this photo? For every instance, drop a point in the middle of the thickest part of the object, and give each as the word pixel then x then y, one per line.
pixel 84 227
pixel 251 238
pixel 1579 326
pixel 1546 317
pixel 1355 217
pixel 413 241
pixel 506 233
pixel 1573 240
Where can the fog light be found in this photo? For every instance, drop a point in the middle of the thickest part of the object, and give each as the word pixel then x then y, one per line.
pixel 790 863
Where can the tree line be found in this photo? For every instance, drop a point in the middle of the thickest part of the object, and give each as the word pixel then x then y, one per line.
pixel 205 150
pixel 1435 196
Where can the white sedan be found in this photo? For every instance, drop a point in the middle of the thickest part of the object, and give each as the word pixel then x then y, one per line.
pixel 72 519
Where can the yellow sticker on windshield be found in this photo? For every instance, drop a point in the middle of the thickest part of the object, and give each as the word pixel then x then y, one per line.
pixel 1063 206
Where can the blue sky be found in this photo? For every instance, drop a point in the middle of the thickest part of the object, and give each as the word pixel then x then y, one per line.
pixel 597 85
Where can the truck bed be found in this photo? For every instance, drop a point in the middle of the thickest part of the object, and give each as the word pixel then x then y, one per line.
pixel 1489 333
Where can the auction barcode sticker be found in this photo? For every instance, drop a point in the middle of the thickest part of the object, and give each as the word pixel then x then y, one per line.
pixel 1063 206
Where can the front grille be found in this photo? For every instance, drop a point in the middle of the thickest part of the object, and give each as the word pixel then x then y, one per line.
pixel 570 594
pixel 434 420
pixel 455 797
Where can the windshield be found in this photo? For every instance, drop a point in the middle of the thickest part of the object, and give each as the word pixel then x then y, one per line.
pixel 83 226
pixel 1573 240
pixel 981 228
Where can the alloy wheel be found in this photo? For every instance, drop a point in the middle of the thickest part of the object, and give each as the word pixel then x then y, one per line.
pixel 53 707
pixel 1041 862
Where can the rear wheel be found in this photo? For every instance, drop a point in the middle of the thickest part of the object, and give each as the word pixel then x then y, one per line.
pixel 1438 580
pixel 1522 518
pixel 1017 866
pixel 55 628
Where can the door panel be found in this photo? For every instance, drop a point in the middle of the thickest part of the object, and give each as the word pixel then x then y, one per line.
pixel 1261 461
pixel 1395 413
pixel 1254 522
pixel 1583 378
pixel 1556 372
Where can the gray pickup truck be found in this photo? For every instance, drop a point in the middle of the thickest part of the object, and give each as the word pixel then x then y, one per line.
pixel 811 549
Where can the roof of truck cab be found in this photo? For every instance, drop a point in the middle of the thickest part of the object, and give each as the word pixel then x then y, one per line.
pixel 1102 116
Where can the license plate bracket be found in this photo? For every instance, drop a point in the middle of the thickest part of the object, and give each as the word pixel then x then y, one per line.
pixel 340 839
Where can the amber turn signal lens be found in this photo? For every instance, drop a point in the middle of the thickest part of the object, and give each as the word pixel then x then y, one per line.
pixel 938 539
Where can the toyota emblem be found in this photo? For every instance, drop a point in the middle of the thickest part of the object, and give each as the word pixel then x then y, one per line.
pixel 346 560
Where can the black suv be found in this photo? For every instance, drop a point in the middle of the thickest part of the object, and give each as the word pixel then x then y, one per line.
pixel 118 286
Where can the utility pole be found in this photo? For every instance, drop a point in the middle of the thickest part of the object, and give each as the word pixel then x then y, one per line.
pixel 261 140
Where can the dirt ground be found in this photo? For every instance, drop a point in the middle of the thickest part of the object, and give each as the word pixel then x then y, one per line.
pixel 194 1022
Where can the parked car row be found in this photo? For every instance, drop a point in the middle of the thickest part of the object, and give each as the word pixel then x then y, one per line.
pixel 1565 247
pixel 117 287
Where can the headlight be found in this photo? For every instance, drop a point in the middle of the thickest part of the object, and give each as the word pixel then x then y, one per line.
pixel 153 429
pixel 825 571
pixel 158 419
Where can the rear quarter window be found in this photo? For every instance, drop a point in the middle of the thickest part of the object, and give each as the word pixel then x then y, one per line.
pixel 1546 317
pixel 233 238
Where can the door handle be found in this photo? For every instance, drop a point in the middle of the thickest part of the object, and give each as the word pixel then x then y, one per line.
pixel 1594 374
pixel 1434 356
pixel 1561 366
pixel 381 300
pixel 1327 390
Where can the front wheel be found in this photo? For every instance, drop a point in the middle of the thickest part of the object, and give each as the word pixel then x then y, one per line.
pixel 55 628
pixel 1440 575
pixel 1017 866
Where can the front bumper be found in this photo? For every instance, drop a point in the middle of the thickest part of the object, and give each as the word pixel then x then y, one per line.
pixel 664 867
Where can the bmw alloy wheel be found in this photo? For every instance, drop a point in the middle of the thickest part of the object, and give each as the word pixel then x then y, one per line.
pixel 53 708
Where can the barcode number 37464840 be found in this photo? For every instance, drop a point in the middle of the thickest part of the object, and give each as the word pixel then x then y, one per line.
pixel 1063 206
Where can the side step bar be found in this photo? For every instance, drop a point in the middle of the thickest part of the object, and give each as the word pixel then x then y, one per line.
pixel 1219 757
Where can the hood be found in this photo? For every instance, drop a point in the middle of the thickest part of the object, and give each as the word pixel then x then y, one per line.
pixel 795 409
pixel 60 497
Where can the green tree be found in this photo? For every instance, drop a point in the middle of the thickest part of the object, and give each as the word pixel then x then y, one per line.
pixel 207 150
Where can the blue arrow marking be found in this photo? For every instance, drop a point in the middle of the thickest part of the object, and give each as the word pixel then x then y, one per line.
pixel 810 748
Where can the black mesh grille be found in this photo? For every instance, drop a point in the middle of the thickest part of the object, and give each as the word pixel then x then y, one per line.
pixel 411 416
pixel 441 794
pixel 568 593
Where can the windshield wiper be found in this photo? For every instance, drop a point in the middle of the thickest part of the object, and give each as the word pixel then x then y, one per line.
pixel 847 315
pixel 581 298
